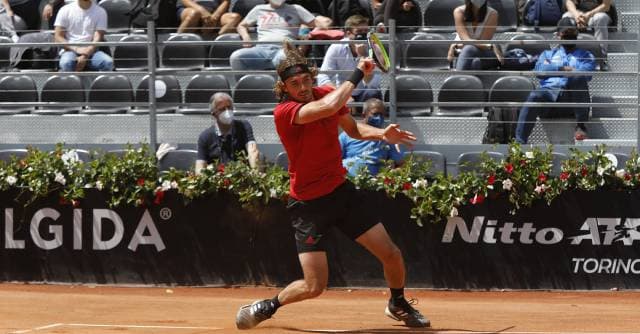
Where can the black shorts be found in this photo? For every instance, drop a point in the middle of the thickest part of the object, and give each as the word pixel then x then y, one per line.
pixel 352 211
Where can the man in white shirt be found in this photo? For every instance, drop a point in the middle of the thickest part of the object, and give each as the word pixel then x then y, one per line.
pixel 82 21
pixel 344 57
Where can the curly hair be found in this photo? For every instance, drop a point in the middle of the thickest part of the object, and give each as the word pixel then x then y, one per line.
pixel 293 57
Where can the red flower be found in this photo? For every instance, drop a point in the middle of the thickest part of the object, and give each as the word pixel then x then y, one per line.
pixel 477 199
pixel 542 178
pixel 140 182
pixel 226 183
pixel 523 162
pixel 508 168
pixel 584 171
pixel 387 181
pixel 627 177
pixel 159 197
pixel 407 186
pixel 221 168
pixel 564 176
pixel 492 179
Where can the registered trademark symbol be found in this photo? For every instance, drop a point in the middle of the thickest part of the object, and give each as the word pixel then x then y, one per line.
pixel 165 213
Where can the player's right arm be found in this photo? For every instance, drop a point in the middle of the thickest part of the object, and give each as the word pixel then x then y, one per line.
pixel 335 100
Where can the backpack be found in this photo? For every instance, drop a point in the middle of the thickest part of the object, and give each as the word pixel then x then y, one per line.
pixel 544 13
pixel 502 125
pixel 163 12
pixel 518 60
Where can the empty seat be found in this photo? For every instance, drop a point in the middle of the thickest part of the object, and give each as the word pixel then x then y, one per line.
pixel 436 160
pixel 18 88
pixel 117 14
pixel 461 88
pixel 178 159
pixel 531 49
pixel 282 160
pixel 556 163
pixel 168 95
pixel 110 88
pixel 428 56
pixel 183 56
pixel 470 161
pixel 65 88
pixel 413 93
pixel 199 91
pixel 511 89
pixel 5 49
pixel 131 57
pixel 219 53
pixel 438 15
pixel 17 153
pixel 256 92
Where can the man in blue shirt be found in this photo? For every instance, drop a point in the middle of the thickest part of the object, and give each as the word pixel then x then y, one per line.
pixel 558 88
pixel 360 154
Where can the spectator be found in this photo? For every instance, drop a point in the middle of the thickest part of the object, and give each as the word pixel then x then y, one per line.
pixel 276 22
pixel 51 9
pixel 6 20
pixel 558 88
pixel 226 137
pixel 358 154
pixel 82 21
pixel 212 16
pixel 592 14
pixel 406 13
pixel 28 11
pixel 475 20
pixel 344 57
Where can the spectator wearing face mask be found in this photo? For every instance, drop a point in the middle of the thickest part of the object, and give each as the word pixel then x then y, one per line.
pixel 567 57
pixel 593 14
pixel 226 137
pixel 344 57
pixel 358 154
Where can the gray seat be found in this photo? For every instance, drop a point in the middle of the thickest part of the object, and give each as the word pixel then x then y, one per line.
pixel 426 56
pixel 255 88
pixel 181 56
pixel 117 14
pixel 166 104
pixel 178 159
pixel 438 15
pixel 622 160
pixel 461 88
pixel 219 53
pixel 282 160
pixel 507 14
pixel 556 162
pixel 437 161
pixel 5 50
pixel 511 89
pixel 65 88
pixel 7 155
pixel 17 88
pixel 412 93
pixel 530 49
pixel 470 161
pixel 131 57
pixel 199 91
pixel 110 88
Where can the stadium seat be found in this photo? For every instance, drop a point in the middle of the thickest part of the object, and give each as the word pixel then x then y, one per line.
pixel 19 24
pixel 282 160
pixel 556 163
pixel 219 53
pixel 530 49
pixel 110 88
pixel 438 15
pixel 511 89
pixel 412 93
pixel 131 57
pixel 17 88
pixel 178 159
pixel 470 161
pixel 181 56
pixel 18 153
pixel 461 88
pixel 67 88
pixel 254 88
pixel 622 160
pixel 5 52
pixel 117 14
pixel 426 56
pixel 507 14
pixel 200 89
pixel 165 104
pixel 438 163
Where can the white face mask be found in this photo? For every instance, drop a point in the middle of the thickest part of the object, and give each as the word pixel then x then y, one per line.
pixel 478 3
pixel 277 3
pixel 226 117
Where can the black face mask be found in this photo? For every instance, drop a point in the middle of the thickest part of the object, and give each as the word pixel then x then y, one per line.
pixel 360 37
pixel 569 46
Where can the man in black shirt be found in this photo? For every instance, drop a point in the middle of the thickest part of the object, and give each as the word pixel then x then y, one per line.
pixel 226 137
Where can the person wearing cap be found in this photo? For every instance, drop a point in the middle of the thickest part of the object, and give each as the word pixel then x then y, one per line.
pixel 227 137
pixel 567 57
pixel 592 14
pixel 320 198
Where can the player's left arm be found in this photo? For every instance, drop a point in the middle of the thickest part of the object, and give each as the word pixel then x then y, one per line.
pixel 391 134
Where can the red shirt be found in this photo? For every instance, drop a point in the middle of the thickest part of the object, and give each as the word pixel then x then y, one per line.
pixel 315 158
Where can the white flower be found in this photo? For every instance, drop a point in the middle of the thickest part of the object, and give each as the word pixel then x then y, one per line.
pixel 420 183
pixel 210 166
pixel 11 180
pixel 70 157
pixel 613 161
pixel 60 178
pixel 600 170
pixel 528 154
pixel 174 185
pixel 88 185
pixel 99 185
pixel 507 184
pixel 620 173
pixel 273 193
pixel 490 186
pixel 166 185
pixel 539 189
pixel 454 212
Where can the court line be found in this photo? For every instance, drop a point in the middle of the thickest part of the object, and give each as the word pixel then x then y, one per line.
pixel 143 326
pixel 37 328
pixel 428 331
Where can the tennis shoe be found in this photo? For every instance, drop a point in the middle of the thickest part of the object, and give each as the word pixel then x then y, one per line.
pixel 250 316
pixel 402 310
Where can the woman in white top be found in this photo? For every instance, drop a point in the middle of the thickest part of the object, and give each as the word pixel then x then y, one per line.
pixel 475 20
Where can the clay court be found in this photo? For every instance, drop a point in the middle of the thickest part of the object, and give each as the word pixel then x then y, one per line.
pixel 89 309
